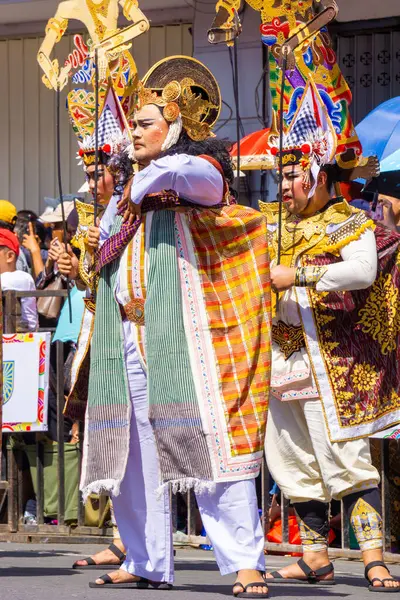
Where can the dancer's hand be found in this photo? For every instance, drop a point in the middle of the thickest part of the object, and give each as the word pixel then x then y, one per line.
pixel 389 219
pixel 93 238
pixel 132 211
pixel 282 278
pixel 55 251
pixel 68 264
pixel 368 171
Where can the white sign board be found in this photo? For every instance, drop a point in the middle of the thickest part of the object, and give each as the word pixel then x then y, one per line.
pixel 25 381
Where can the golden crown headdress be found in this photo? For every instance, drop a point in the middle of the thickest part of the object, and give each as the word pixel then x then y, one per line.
pixel 183 86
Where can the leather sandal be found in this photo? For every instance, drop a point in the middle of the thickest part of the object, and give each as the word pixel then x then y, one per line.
pixel 92 565
pixel 380 589
pixel 142 584
pixel 311 577
pixel 246 594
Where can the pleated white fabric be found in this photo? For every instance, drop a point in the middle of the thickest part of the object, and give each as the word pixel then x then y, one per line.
pixel 230 515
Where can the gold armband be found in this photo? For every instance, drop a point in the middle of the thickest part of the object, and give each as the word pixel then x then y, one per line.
pixel 309 276
pixel 59 26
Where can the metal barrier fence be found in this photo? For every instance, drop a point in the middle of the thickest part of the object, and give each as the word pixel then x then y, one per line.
pixel 12 493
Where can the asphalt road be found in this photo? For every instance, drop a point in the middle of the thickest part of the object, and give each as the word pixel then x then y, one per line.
pixel 43 572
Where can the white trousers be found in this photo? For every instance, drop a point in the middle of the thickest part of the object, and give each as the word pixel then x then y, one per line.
pixel 305 463
pixel 230 515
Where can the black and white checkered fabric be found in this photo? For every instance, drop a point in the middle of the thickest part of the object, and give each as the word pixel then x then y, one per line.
pixel 108 126
pixel 109 129
pixel 304 128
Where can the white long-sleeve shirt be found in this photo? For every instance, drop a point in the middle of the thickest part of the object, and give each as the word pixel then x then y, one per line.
pixel 356 271
pixel 22 282
pixel 191 177
pixel 292 379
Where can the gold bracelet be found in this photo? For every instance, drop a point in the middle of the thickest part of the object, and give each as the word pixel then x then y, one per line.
pixel 309 276
pixel 59 26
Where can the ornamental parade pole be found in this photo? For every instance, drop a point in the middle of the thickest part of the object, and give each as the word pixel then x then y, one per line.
pixel 281 122
pixel 229 36
pixel 236 94
pixel 96 163
pixel 60 192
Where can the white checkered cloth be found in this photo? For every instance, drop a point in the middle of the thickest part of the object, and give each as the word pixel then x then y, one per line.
pixel 303 129
pixel 312 125
pixel 109 129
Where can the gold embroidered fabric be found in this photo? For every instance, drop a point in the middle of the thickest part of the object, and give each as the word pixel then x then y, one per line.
pixel 289 338
pixel 367 526
pixel 309 235
pixel 85 220
pixel 349 231
pixel 309 537
pixel 380 317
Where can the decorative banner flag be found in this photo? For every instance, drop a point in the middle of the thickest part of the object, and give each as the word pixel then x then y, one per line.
pixel 26 366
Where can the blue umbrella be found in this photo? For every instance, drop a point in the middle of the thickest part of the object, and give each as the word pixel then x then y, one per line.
pixel 379 132
pixel 391 163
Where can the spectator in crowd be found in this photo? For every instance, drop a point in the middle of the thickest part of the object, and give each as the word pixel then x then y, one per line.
pixel 8 219
pixel 50 276
pixel 12 279
pixel 55 220
pixel 31 234
pixel 8 215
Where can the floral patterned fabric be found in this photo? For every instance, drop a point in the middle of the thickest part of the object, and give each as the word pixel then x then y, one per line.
pixel 358 335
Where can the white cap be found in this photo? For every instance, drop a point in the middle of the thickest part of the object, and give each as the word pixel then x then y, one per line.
pixel 55 215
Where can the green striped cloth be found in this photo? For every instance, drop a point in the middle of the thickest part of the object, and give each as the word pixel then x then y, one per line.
pixel 173 406
pixel 174 409
pixel 108 413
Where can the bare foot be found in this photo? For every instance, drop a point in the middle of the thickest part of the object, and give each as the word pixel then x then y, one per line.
pixel 382 573
pixel 105 557
pixel 247 576
pixel 315 560
pixel 120 576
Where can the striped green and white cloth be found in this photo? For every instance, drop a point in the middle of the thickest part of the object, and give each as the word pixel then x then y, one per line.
pixel 107 422
pixel 173 407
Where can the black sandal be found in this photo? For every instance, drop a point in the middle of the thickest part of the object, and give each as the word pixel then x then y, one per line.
pixel 311 577
pixel 142 584
pixel 380 589
pixel 92 565
pixel 246 594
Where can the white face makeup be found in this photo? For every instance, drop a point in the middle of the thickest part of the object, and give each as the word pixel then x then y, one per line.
pixel 149 134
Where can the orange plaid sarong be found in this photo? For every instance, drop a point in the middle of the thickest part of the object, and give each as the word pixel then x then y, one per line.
pixel 230 247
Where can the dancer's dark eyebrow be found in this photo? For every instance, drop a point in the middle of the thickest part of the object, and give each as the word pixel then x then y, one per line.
pixel 141 122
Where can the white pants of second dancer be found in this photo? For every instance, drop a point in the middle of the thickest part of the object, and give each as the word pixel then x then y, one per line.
pixel 230 515
pixel 305 464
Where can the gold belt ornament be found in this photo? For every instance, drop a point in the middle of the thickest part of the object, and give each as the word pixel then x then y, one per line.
pixel 289 338
pixel 134 311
